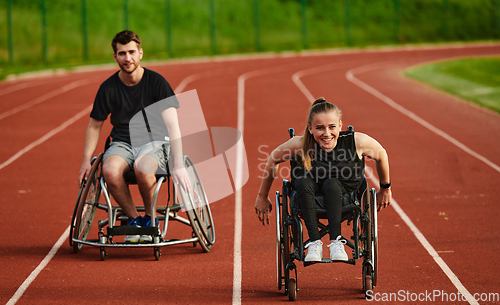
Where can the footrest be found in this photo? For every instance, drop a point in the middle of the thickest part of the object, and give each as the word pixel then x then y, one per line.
pixel 133 230
pixel 328 260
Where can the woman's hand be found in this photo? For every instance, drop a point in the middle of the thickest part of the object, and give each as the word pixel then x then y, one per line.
pixel 263 206
pixel 384 197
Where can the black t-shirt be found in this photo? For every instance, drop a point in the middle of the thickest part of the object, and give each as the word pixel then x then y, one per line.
pixel 123 102
pixel 342 163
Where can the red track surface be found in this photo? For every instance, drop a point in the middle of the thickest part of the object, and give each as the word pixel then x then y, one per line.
pixel 450 195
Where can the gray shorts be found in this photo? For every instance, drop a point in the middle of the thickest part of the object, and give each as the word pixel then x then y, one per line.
pixel 156 149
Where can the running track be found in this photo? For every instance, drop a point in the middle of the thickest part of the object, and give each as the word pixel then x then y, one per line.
pixel 441 233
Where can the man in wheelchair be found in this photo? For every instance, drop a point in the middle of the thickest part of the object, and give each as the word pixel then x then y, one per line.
pixel 332 163
pixel 127 93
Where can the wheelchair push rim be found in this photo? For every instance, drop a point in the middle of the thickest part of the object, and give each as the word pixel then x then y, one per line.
pixel 198 209
pixel 87 204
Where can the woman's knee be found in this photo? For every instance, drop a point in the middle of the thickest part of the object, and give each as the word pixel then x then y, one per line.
pixel 304 185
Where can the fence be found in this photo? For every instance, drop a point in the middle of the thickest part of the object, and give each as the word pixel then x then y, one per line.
pixel 69 31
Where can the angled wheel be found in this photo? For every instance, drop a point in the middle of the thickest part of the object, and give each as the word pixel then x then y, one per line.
pixel 73 218
pixel 366 241
pixel 198 208
pixel 279 244
pixel 286 240
pixel 374 236
pixel 87 204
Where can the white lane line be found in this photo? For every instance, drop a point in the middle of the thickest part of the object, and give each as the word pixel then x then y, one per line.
pixel 420 237
pixel 16 88
pixel 430 249
pixel 194 77
pixel 20 291
pixel 47 136
pixel 45 97
pixel 298 75
pixel 237 265
pixel 350 76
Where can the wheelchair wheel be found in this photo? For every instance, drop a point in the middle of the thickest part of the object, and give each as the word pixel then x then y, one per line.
pixel 366 242
pixel 198 208
pixel 87 204
pixel 288 246
pixel 73 218
pixel 292 290
pixel 279 245
pixel 374 239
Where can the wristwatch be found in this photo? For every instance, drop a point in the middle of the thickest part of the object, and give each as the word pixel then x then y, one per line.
pixel 385 185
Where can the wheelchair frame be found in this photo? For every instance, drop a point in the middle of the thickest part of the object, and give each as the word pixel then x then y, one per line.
pixel 290 244
pixel 195 203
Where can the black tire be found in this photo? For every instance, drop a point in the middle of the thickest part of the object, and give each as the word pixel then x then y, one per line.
pixel 73 218
pixel 365 240
pixel 286 246
pixel 279 248
pixel 292 290
pixel 87 205
pixel 103 254
pixel 157 252
pixel 198 208
pixel 374 237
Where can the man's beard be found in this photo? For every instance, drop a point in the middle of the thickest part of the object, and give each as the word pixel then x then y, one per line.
pixel 134 65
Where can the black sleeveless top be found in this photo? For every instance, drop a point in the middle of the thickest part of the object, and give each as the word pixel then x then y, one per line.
pixel 342 163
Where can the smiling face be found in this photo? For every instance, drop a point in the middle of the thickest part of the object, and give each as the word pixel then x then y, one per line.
pixel 128 56
pixel 325 128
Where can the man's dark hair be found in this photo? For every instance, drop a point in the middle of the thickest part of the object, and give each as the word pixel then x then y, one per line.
pixel 125 37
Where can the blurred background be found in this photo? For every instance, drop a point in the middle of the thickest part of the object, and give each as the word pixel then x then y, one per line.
pixel 41 34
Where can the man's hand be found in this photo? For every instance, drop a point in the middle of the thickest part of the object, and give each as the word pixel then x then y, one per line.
pixel 84 172
pixel 263 206
pixel 181 176
pixel 384 197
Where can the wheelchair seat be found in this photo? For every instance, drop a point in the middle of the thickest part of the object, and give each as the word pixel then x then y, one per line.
pixel 131 179
pixel 351 202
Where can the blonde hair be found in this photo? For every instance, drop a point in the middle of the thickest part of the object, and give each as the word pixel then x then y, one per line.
pixel 319 106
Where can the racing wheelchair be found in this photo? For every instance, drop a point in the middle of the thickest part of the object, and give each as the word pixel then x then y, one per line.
pixel 194 203
pixel 358 208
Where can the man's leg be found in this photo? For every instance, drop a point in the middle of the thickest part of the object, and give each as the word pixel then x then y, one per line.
pixel 145 168
pixel 114 168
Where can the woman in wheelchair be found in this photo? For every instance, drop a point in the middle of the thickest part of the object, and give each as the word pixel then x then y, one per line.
pixel 332 163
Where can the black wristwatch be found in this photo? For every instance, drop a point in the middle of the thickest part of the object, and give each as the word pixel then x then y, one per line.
pixel 385 185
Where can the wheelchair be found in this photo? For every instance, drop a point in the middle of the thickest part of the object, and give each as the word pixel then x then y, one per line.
pixel 194 203
pixel 358 208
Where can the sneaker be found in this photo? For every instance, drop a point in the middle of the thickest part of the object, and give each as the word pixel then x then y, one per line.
pixel 315 252
pixel 337 251
pixel 137 222
pixel 146 222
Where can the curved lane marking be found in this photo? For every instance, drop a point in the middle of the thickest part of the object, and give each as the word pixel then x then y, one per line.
pixel 350 76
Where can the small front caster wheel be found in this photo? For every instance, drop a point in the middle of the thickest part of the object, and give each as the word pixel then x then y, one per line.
pixel 157 254
pixel 292 290
pixel 103 254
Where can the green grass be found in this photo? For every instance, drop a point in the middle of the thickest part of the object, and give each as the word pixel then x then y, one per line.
pixel 239 26
pixel 473 79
